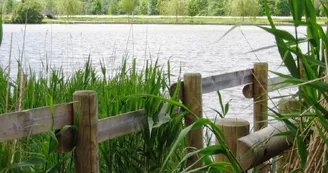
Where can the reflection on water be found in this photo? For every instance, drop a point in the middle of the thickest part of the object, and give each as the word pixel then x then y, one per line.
pixel 193 48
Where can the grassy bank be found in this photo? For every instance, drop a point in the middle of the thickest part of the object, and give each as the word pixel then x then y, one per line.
pixel 170 20
pixel 166 20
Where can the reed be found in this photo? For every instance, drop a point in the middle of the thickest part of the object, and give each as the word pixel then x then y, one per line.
pixel 139 152
pixel 308 71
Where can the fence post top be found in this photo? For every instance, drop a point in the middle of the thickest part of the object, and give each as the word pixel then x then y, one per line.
pixel 232 122
pixel 85 92
pixel 193 74
pixel 261 64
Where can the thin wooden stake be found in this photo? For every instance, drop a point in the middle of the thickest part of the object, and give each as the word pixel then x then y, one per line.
pixel 86 116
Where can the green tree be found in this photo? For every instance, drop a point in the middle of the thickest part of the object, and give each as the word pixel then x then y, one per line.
pixel 50 6
pixel 244 7
pixel 96 7
pixel 128 6
pixel 203 7
pixel 143 7
pixel 172 7
pixel 113 7
pixel 69 7
pixel 9 6
pixel 29 12
pixel 153 7
pixel 282 8
pixel 193 8
pixel 216 7
pixel 105 6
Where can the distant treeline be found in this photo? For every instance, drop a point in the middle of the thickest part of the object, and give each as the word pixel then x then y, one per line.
pixel 162 7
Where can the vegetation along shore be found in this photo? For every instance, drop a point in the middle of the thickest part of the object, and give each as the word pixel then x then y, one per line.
pixel 165 141
pixel 150 11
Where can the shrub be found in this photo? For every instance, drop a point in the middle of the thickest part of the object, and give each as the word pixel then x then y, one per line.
pixel 29 11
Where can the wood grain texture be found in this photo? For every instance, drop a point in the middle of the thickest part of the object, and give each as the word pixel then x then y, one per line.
pixel 233 129
pixel 260 91
pixel 227 80
pixel 192 98
pixel 262 145
pixel 120 125
pixel 28 122
pixel 220 82
pixel 86 113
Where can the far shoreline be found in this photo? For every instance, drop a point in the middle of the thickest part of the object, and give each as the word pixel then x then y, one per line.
pixel 169 20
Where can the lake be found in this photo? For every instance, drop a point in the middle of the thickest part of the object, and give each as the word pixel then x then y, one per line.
pixel 193 48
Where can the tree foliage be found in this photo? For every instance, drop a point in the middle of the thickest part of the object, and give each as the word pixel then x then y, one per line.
pixel 153 7
pixel 217 7
pixel 9 6
pixel 143 7
pixel 203 7
pixel 282 8
pixel 172 7
pixel 113 7
pixel 69 7
pixel 96 7
pixel 128 6
pixel 193 8
pixel 29 12
pixel 244 7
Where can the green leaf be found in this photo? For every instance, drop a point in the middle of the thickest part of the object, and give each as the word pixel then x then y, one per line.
pixel 280 33
pixel 53 142
pixel 31 162
pixel 297 9
pixel 56 168
pixel 302 150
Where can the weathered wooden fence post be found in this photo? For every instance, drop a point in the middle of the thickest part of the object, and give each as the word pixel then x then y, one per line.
pixel 233 129
pixel 260 97
pixel 192 98
pixel 260 91
pixel 86 114
pixel 286 106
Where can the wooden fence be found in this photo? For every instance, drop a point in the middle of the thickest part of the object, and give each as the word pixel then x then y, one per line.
pixel 92 131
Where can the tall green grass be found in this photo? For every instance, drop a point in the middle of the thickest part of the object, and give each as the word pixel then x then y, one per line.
pixel 121 93
pixel 308 71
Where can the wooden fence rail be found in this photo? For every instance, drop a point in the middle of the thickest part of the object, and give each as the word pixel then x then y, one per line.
pixel 35 121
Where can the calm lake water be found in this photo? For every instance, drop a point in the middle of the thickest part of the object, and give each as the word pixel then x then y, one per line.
pixel 193 48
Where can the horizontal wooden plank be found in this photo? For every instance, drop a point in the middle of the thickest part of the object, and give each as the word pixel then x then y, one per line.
pixel 120 125
pixel 124 124
pixel 227 80
pixel 34 121
pixel 220 82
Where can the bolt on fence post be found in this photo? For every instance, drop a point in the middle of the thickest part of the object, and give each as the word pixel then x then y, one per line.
pixel 86 114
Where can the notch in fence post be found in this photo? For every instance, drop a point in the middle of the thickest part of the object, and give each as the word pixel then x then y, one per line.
pixel 260 91
pixel 86 114
pixel 192 98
